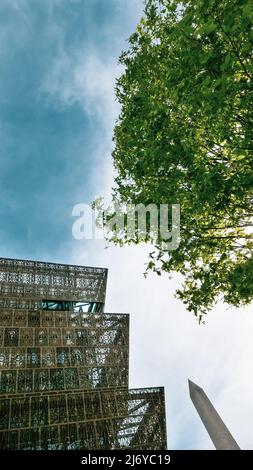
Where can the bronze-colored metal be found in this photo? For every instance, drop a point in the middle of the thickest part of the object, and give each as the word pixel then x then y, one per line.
pixel 64 371
pixel 104 419
pixel 23 284
pixel 85 351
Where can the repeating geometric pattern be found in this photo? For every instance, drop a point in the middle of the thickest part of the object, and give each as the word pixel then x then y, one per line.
pixel 64 364
pixel 105 419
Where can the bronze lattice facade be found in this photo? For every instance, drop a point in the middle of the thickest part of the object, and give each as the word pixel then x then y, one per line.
pixel 64 364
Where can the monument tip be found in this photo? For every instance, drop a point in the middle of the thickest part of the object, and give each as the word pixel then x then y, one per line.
pixel 193 387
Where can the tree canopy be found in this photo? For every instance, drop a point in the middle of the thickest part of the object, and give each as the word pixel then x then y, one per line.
pixel 184 136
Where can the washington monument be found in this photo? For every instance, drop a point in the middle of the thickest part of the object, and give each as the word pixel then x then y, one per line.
pixel 217 430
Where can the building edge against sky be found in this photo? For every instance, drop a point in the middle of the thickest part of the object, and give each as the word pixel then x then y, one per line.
pixel 64 364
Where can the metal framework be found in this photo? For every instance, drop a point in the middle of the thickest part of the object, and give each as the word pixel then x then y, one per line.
pixel 62 351
pixel 105 419
pixel 64 364
pixel 24 284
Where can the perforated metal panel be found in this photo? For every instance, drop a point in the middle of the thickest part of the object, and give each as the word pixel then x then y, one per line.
pixel 64 373
pixel 85 351
pixel 105 419
pixel 24 284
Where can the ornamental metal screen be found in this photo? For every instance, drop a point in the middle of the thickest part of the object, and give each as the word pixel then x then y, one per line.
pixel 64 351
pixel 24 284
pixel 105 419
pixel 64 364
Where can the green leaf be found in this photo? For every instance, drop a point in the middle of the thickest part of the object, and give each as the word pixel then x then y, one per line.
pixel 184 135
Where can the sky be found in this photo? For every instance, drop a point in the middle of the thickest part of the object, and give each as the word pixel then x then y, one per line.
pixel 59 63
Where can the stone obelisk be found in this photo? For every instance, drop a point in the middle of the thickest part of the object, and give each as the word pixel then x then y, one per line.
pixel 217 430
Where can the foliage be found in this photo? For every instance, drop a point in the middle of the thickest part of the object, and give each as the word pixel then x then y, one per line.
pixel 184 136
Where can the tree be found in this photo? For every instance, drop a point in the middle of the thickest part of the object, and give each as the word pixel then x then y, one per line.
pixel 184 135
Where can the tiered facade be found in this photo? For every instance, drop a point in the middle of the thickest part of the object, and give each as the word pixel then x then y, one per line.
pixel 64 364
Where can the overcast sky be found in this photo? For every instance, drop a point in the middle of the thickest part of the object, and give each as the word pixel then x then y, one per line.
pixel 59 60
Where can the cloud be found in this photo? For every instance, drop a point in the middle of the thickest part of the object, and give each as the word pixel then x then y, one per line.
pixel 86 79
pixel 77 74
pixel 167 346
pixel 85 73
pixel 22 13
